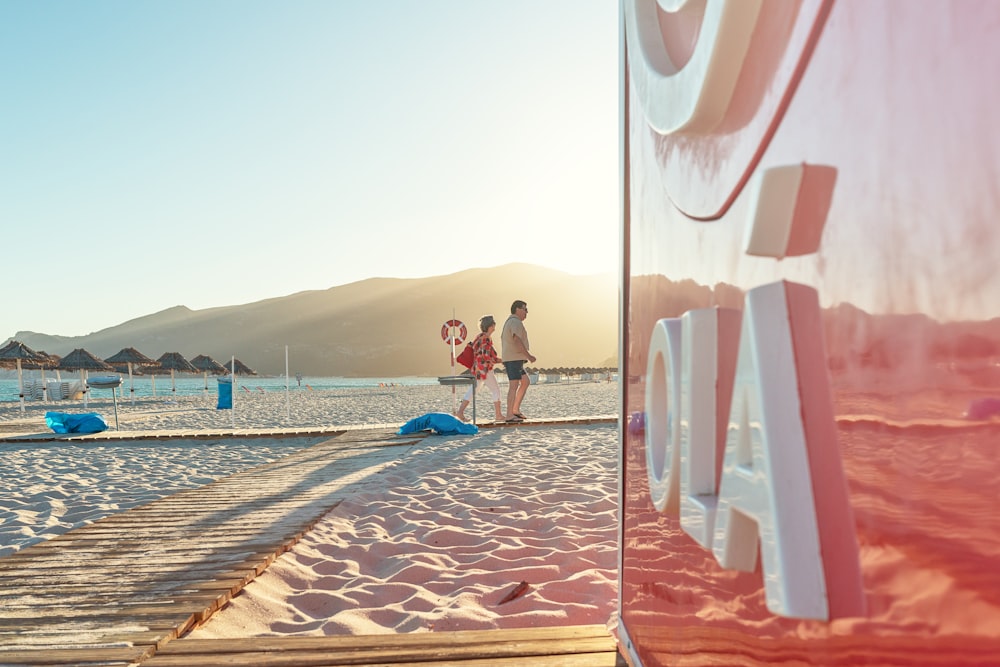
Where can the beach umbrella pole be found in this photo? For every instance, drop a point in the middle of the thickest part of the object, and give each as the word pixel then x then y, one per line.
pixel 20 385
pixel 131 389
pixel 288 408
pixel 114 396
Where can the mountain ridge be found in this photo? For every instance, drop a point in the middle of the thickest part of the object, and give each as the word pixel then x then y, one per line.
pixel 376 327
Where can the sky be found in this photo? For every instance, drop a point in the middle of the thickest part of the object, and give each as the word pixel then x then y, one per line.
pixel 218 152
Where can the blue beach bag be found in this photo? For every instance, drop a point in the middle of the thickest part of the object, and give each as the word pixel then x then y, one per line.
pixel 87 422
pixel 439 422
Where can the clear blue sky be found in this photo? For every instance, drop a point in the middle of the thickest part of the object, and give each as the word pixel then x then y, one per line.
pixel 217 152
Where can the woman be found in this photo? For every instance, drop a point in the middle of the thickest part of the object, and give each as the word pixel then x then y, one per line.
pixel 486 358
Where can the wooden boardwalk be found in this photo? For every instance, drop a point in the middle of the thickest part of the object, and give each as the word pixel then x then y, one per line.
pixel 122 590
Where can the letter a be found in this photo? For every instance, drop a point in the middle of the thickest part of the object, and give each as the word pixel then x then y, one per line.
pixel 782 484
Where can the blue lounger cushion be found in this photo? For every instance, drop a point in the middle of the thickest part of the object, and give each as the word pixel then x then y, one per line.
pixel 86 422
pixel 439 422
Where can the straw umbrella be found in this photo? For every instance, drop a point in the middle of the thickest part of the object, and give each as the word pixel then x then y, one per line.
pixel 206 365
pixel 241 368
pixel 83 361
pixel 130 357
pixel 47 361
pixel 13 353
pixel 51 362
pixel 175 361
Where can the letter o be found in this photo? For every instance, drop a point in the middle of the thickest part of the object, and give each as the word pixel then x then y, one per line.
pixel 689 92
pixel 663 403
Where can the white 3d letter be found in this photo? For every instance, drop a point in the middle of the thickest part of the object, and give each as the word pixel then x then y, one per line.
pixel 691 96
pixel 663 372
pixel 766 491
pixel 711 341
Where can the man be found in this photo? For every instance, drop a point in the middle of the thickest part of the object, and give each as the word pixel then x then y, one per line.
pixel 515 353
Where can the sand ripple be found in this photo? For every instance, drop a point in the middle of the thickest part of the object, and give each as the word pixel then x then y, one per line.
pixel 462 522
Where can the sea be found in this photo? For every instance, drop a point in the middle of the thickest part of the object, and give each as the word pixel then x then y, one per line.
pixel 191 386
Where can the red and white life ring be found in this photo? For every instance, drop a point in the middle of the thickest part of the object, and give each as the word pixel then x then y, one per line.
pixel 450 326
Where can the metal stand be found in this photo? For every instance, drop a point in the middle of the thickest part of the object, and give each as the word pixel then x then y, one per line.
pixel 463 380
pixel 108 382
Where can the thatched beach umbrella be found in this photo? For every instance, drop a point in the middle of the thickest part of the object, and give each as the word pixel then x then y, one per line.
pixel 241 368
pixel 12 354
pixel 175 361
pixel 130 357
pixel 46 361
pixel 206 365
pixel 83 361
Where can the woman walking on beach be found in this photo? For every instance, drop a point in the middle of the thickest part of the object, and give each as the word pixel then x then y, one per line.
pixel 485 358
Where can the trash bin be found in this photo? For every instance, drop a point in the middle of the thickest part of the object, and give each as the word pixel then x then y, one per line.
pixel 225 394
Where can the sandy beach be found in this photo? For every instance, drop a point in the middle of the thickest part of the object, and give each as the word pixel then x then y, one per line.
pixel 435 541
pixel 305 409
pixel 445 535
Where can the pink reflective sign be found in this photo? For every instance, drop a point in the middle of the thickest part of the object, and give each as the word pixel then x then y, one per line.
pixel 811 343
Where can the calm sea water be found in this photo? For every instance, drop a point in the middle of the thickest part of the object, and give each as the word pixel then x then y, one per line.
pixel 187 386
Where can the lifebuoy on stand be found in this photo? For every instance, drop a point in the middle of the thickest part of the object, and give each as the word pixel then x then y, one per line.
pixel 454 333
pixel 450 335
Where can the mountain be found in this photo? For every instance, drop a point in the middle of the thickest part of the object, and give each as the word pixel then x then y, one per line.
pixel 380 327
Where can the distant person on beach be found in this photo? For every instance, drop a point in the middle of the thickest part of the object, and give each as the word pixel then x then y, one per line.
pixel 515 349
pixel 484 359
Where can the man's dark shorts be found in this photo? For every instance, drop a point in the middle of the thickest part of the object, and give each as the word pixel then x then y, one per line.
pixel 515 369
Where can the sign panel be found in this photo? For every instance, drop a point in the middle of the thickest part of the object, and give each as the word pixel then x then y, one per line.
pixel 810 333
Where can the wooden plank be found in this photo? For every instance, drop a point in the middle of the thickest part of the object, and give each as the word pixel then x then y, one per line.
pixel 48 566
pixel 150 577
pixel 81 656
pixel 459 658
pixel 152 542
pixel 112 620
pixel 192 569
pixel 90 539
pixel 32 638
pixel 274 535
pixel 452 638
pixel 221 541
pixel 84 593
pixel 542 646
